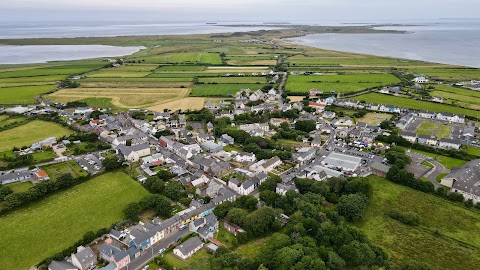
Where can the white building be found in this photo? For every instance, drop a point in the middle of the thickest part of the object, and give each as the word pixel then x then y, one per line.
pixel 188 248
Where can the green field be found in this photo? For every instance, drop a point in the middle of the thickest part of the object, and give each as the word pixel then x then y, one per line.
pixel 473 151
pixel 29 133
pixel 60 220
pixel 22 94
pixel 435 129
pixel 184 58
pixel 199 261
pixel 59 169
pixel 457 247
pixel 237 80
pixel 222 89
pixel 449 162
pixel 453 73
pixel 180 68
pixel 339 83
pixel 7 120
pixel 48 71
pixel 415 104
pixel 19 186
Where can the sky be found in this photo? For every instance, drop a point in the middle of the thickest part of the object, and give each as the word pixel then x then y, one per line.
pixel 236 10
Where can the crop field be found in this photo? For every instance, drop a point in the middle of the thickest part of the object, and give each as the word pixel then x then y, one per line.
pixel 123 97
pixel 180 68
pixel 188 103
pixel 59 169
pixel 133 80
pixel 339 83
pixel 435 129
pixel 184 58
pixel 238 80
pixel 114 73
pixel 374 119
pixel 37 79
pixel 24 135
pixel 415 104
pixel 352 60
pixel 137 68
pixel 48 223
pixel 22 94
pixel 138 84
pixel 222 89
pixel 456 247
pixel 57 70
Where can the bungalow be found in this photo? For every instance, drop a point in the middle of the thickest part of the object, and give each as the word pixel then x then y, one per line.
pixel 15 177
pixel 409 136
pixel 84 258
pixel 420 79
pixel 317 105
pixel 277 121
pixel 245 157
pixel 344 122
pixel 449 144
pixel 249 127
pixel 133 153
pixel 188 248
pixel 210 105
pixel 161 116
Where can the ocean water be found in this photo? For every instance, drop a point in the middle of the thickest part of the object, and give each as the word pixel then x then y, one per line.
pixel 44 53
pixel 454 42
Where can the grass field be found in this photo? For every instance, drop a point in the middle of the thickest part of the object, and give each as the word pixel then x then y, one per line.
pixel 180 68
pixel 49 71
pixel 415 104
pixel 199 261
pixel 435 129
pixel 449 162
pixel 452 73
pixel 473 151
pixel 222 89
pixel 457 248
pixel 59 169
pixel 123 97
pixel 22 94
pixel 19 186
pixel 339 83
pixel 7 120
pixel 58 221
pixel 374 119
pixel 23 135
pixel 238 80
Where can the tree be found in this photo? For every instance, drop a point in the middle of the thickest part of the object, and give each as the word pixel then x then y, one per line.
pixel 165 175
pixel 4 192
pixel 237 215
pixel 306 125
pixel 112 163
pixel 155 185
pixel 335 262
pixel 15 199
pixel 261 221
pixel 222 209
pixel 95 114
pixel 248 202
pixel 269 197
pixel 352 206
pixel 174 190
pixel 270 183
pixel 132 210
pixel 163 206
pixel 357 254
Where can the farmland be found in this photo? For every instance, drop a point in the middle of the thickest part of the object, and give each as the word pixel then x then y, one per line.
pixel 222 89
pixel 415 104
pixel 48 223
pixel 23 135
pixel 339 83
pixel 455 248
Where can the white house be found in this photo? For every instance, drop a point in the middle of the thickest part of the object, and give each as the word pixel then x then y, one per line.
pixel 266 165
pixel 420 79
pixel 409 136
pixel 133 153
pixel 449 144
pixel 188 248
pixel 245 157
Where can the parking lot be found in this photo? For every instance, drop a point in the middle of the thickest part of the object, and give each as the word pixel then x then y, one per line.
pixel 90 163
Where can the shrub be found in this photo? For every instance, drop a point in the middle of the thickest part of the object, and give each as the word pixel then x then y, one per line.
pixel 408 218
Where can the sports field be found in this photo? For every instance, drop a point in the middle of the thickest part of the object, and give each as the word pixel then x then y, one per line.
pixel 29 133
pixel 456 248
pixel 46 227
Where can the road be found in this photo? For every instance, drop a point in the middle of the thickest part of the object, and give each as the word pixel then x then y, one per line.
pixel 147 255
pixel 432 174
pixel 281 86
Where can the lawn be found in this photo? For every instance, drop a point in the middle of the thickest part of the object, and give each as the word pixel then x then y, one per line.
pixel 44 228
pixel 449 162
pixel 22 94
pixel 224 236
pixel 199 261
pixel 252 248
pixel 59 169
pixel 27 134
pixel 415 104
pixel 340 83
pixel 19 186
pixel 222 89
pixel 456 248
pixel 435 129
pixel 374 119
pixel 473 151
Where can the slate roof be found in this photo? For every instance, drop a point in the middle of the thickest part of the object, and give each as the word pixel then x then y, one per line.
pixel 190 245
pixel 61 265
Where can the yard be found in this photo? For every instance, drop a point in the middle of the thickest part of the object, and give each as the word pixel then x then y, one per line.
pixel 224 236
pixel 29 133
pixel 19 186
pixel 473 151
pixel 44 228
pixel 59 169
pixel 456 247
pixel 436 129
pixel 199 261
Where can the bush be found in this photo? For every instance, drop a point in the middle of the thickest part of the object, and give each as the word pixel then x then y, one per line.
pixel 408 218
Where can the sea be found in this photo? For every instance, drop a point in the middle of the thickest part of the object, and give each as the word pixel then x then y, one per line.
pixel 449 41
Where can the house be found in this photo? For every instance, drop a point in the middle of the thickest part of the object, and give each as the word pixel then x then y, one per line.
pixel 15 177
pixel 48 142
pixel 266 165
pixel 283 188
pixel 245 157
pixel 188 248
pixel 405 121
pixel 465 180
pixel 420 79
pixel 203 137
pixel 161 116
pixel 84 258
pixel 449 143
pixel 344 122
pixel 437 99
pixel 409 136
pixel 210 105
pixel 257 95
pixel 133 153
pixel 211 147
pixel 155 159
pixel 232 228
pixel 225 140
pixel 317 105
pixel 61 265
pixel 113 254
pixel 427 140
pixel 380 169
pixel 426 114
pixel 328 115
pixel 246 188
pixel 250 127
pixel 304 154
